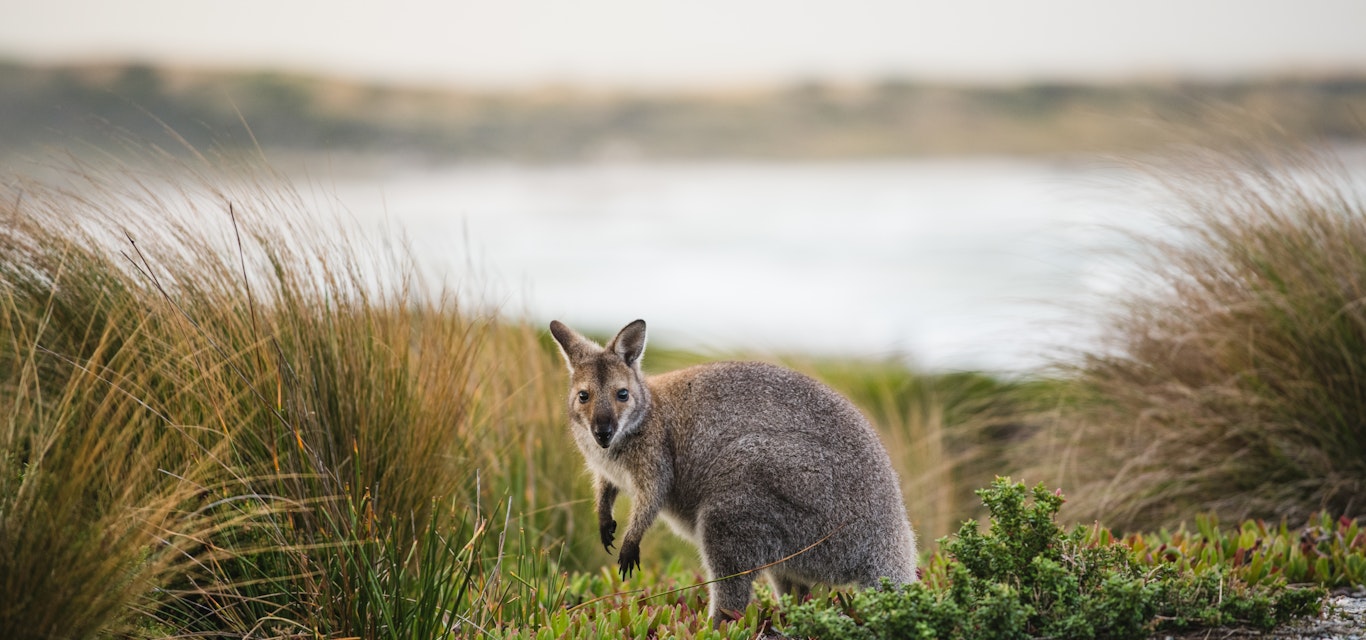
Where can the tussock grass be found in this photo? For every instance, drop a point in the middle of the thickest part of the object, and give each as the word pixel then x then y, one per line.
pixel 95 478
pixel 226 414
pixel 1233 381
pixel 90 520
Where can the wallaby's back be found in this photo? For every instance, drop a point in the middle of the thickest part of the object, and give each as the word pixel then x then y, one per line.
pixel 763 447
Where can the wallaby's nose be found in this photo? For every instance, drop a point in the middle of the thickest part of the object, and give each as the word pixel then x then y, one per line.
pixel 603 427
pixel 603 435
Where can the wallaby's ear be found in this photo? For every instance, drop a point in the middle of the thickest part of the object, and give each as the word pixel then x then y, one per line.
pixel 573 346
pixel 630 343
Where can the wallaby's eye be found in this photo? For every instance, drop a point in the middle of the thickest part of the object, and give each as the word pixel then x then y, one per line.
pixel 623 394
pixel 583 397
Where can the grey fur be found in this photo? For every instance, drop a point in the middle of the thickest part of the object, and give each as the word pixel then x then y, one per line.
pixel 749 461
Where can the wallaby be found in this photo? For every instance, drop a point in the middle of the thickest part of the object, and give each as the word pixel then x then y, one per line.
pixel 759 466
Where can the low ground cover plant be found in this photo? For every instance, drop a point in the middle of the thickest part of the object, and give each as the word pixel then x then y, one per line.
pixel 1326 551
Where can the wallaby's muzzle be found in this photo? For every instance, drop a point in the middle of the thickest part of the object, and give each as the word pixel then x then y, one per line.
pixel 603 434
pixel 604 424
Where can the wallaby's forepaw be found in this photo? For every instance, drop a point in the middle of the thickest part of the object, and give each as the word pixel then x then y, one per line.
pixel 629 558
pixel 607 530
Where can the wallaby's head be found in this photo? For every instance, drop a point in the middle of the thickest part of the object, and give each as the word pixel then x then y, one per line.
pixel 607 393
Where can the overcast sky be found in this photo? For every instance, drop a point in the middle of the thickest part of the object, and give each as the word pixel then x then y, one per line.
pixel 699 42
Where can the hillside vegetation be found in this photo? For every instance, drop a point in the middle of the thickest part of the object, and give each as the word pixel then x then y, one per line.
pixel 810 121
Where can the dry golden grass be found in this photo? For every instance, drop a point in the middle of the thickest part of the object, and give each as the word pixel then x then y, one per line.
pixel 227 412
pixel 1233 380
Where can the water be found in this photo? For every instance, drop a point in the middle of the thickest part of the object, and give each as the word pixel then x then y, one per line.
pixel 973 264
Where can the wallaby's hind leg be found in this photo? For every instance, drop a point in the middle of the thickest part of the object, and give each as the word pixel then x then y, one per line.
pixel 729 597
pixel 785 585
pixel 732 548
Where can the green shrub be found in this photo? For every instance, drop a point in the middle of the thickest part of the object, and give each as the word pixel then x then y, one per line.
pixel 1026 577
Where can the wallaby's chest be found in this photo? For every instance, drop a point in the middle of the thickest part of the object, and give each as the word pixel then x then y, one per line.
pixel 616 471
pixel 603 463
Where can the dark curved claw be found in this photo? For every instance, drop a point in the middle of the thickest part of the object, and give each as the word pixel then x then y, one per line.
pixel 629 558
pixel 607 530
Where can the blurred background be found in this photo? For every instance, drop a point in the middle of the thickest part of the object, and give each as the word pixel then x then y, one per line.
pixel 933 182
